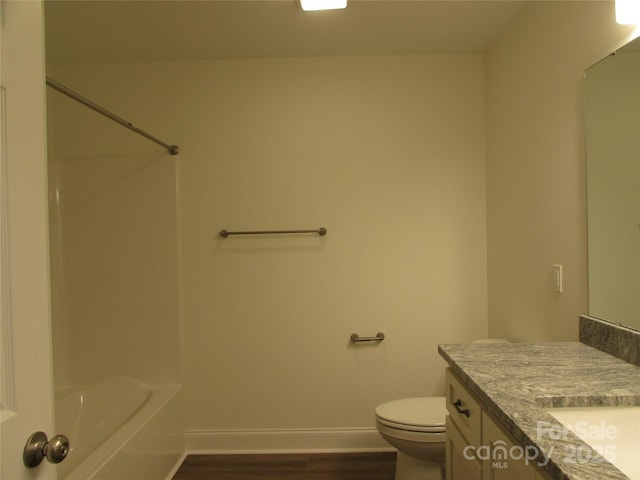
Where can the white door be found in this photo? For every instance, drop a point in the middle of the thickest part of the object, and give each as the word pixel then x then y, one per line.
pixel 26 364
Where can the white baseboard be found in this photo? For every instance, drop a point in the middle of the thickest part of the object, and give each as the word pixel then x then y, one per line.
pixel 286 441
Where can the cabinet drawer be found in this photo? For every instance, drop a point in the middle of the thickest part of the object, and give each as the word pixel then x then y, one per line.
pixel 464 410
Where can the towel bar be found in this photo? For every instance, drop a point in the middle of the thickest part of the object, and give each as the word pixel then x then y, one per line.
pixel 320 231
pixel 355 338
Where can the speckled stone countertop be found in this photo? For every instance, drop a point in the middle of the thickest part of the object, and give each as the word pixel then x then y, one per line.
pixel 516 382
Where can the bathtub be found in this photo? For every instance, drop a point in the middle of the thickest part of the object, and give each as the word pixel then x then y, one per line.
pixel 120 429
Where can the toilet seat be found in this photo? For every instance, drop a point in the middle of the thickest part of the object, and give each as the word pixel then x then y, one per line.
pixel 418 414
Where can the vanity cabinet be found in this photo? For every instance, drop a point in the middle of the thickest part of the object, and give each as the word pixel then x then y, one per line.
pixel 477 447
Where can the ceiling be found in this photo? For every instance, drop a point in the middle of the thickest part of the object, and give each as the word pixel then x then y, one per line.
pixel 98 31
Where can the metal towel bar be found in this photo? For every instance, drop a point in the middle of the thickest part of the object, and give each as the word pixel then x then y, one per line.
pixel 320 231
pixel 355 338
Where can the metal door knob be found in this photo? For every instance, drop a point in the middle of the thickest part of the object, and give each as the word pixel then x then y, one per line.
pixel 38 447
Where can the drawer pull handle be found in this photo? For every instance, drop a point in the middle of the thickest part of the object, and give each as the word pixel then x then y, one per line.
pixel 459 409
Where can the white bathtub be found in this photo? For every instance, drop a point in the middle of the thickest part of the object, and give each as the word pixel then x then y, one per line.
pixel 121 429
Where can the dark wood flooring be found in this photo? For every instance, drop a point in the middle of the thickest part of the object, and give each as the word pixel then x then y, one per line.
pixel 316 466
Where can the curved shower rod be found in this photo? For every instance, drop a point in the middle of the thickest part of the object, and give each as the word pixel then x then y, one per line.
pixel 173 149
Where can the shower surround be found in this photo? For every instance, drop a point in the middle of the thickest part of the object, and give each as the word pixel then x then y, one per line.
pixel 115 292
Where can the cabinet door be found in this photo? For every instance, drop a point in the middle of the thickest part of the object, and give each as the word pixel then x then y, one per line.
pixel 502 461
pixel 460 464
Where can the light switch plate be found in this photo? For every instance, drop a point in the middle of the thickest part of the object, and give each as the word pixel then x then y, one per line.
pixel 556 278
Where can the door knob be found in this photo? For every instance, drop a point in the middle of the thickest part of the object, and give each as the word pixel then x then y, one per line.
pixel 38 447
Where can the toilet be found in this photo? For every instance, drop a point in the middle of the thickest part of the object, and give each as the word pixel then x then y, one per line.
pixel 416 427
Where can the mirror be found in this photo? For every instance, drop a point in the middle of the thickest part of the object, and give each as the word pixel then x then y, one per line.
pixel 612 113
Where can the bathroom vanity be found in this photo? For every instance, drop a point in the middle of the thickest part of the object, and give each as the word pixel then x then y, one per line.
pixel 473 440
pixel 498 401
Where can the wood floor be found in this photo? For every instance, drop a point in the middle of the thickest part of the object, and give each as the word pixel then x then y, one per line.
pixel 330 466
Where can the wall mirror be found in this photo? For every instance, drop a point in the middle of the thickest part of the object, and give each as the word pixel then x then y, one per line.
pixel 612 115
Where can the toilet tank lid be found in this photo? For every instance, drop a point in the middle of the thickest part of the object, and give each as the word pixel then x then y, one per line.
pixel 418 411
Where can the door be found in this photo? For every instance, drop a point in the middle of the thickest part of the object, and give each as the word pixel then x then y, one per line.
pixel 25 356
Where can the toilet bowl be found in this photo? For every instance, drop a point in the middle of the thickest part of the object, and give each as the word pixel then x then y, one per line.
pixel 416 427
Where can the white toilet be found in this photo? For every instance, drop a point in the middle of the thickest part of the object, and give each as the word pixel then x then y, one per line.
pixel 416 427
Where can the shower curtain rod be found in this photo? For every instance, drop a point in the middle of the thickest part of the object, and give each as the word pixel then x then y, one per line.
pixel 173 149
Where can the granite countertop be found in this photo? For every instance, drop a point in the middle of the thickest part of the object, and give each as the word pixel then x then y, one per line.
pixel 516 382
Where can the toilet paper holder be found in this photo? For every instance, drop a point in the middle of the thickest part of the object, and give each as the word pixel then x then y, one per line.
pixel 355 338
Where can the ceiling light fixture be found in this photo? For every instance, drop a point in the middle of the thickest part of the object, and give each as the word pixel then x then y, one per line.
pixel 313 5
pixel 628 12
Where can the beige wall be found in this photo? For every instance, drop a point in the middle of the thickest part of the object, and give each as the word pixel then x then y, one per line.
pixel 536 199
pixel 387 153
